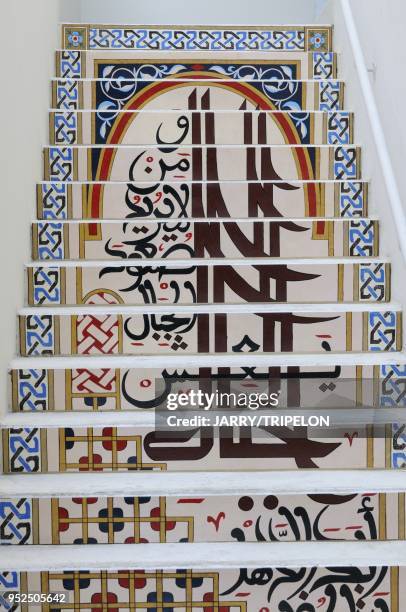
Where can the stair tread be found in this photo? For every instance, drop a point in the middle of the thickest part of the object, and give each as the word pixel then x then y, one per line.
pixel 237 359
pixel 282 482
pixel 252 307
pixel 204 556
pixel 178 263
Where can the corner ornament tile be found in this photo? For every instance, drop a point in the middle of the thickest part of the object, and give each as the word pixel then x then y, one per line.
pixel 318 40
pixel 75 38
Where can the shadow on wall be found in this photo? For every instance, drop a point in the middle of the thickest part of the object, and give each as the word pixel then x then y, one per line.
pixel 192 11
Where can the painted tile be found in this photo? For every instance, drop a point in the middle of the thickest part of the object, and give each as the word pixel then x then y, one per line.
pixel 74 64
pixel 237 590
pixel 183 333
pixel 176 200
pixel 188 239
pixel 197 38
pixel 241 518
pixel 126 449
pixel 89 388
pixel 185 283
pixel 68 127
pixel 282 83
pixel 25 449
pixel 186 163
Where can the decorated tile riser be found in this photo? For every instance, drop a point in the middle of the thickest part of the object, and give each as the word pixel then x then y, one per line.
pixel 241 518
pixel 182 239
pixel 191 333
pixel 239 590
pixel 66 200
pixel 93 127
pixel 127 449
pixel 197 38
pixel 185 164
pixel 141 387
pixel 73 65
pixel 186 283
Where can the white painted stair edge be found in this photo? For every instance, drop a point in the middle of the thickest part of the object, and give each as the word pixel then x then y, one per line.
pixel 203 484
pixel 272 307
pixel 218 556
pixel 206 360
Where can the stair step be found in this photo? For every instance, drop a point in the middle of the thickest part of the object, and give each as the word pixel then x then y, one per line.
pixel 214 281
pixel 213 575
pixel 129 163
pixel 128 449
pixel 131 65
pixel 68 127
pixel 54 441
pixel 68 200
pixel 189 38
pixel 177 239
pixel 102 332
pixel 74 68
pixel 136 519
pixel 284 484
pixel 46 386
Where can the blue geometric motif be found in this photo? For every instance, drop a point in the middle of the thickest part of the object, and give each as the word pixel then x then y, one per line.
pixel 382 331
pixel 352 200
pixel 60 164
pixel 24 450
pixel 39 335
pixel 70 64
pixel 196 40
pixel 345 163
pixel 9 581
pixel 339 132
pixel 361 238
pixel 50 241
pixel 32 390
pixel 15 521
pixel 54 200
pixel 329 96
pixel 393 386
pixel 398 446
pixel 46 285
pixel 277 82
pixel 67 95
pixel 372 281
pixel 66 128
pixel 323 65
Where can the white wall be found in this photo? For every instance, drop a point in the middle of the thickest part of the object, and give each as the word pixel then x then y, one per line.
pixel 198 11
pixel 381 26
pixel 30 34
pixel 386 51
pixel 69 10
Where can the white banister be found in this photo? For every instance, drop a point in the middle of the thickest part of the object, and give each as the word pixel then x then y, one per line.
pixel 376 127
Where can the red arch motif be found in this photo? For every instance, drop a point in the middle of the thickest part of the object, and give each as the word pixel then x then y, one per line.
pixel 139 100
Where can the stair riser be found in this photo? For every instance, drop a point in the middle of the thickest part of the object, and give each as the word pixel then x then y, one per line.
pixel 236 590
pixel 69 128
pixel 188 163
pixel 118 201
pixel 258 38
pixel 109 388
pixel 130 65
pixel 110 334
pixel 131 449
pixel 134 520
pixel 184 239
pixel 188 284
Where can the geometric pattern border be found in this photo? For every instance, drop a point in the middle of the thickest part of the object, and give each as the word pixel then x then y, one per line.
pixel 197 38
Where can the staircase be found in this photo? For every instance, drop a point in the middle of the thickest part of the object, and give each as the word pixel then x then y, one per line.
pixel 223 161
